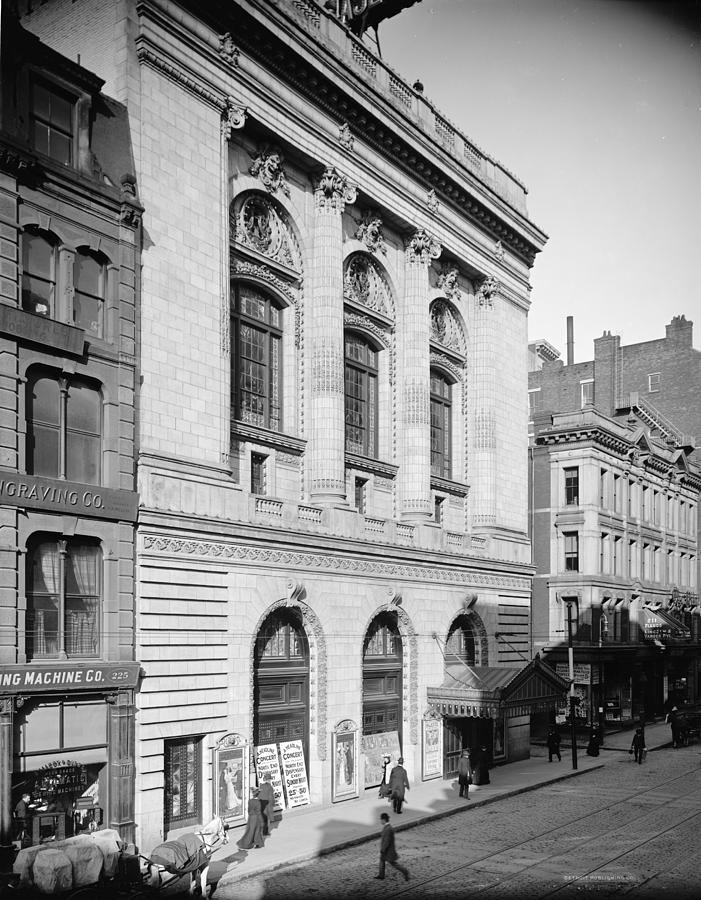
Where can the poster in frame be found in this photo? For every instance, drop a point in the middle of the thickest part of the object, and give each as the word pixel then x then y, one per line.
pixel 344 761
pixel 499 739
pixel 431 746
pixel 230 778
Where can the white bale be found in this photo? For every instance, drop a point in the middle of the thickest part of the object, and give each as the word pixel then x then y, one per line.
pixel 110 845
pixel 52 872
pixel 87 861
pixel 24 863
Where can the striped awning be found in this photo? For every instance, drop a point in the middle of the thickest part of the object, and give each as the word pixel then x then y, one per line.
pixel 491 691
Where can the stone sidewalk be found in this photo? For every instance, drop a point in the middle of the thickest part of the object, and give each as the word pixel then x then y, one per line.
pixel 313 831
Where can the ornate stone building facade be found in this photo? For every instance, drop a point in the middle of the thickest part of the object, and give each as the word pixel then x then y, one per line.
pixel 332 415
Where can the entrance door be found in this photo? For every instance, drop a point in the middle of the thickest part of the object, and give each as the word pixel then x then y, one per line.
pixel 468 733
pixel 382 677
pixel 281 681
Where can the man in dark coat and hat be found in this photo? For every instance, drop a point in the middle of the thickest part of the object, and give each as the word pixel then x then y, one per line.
pixel 398 783
pixel 388 851
pixel 464 773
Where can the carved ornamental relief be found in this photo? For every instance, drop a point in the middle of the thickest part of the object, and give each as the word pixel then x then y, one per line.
pixel 332 191
pixel 364 284
pixel 445 328
pixel 259 225
pixel 267 166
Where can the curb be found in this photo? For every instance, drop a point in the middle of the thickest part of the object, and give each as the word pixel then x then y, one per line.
pixel 405 826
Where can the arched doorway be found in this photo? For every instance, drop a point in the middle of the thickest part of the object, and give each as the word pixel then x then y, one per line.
pixel 382 676
pixel 464 647
pixel 281 681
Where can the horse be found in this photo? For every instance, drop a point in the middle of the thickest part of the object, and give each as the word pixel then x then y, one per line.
pixel 188 854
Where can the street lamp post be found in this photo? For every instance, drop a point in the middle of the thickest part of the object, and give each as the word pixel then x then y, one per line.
pixel 570 652
pixel 603 631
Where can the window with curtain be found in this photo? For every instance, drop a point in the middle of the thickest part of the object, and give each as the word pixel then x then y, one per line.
pixel 441 412
pixel 257 376
pixel 461 642
pixel 64 428
pixel 38 273
pixel 360 395
pixel 63 598
pixel 89 280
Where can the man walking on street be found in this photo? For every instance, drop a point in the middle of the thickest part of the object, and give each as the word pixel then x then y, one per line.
pixel 553 741
pixel 388 852
pixel 398 783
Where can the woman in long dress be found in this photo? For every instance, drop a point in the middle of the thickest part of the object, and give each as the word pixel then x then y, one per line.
pixel 253 835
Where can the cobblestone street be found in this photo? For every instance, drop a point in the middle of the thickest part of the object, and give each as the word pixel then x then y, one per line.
pixel 620 830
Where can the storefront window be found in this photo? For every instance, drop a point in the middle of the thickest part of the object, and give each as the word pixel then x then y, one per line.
pixel 182 782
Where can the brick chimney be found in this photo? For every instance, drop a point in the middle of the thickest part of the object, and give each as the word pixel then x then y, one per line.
pixel 607 372
pixel 681 331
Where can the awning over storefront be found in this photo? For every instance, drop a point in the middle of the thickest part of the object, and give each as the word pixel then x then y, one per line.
pixel 659 625
pixel 493 690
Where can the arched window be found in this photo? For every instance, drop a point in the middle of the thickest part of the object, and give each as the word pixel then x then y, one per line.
pixel 461 642
pixel 382 677
pixel 256 379
pixel 38 273
pixel 64 428
pixel 63 598
pixel 441 437
pixel 89 280
pixel 360 395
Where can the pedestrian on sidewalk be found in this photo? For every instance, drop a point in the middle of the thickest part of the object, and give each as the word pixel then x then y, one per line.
pixel 388 851
pixel 253 835
pixel 464 773
pixel 594 742
pixel 637 748
pixel 673 721
pixel 398 783
pixel 553 741
pixel 266 795
pixel 384 787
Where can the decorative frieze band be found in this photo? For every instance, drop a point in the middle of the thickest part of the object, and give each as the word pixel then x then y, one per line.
pixel 301 559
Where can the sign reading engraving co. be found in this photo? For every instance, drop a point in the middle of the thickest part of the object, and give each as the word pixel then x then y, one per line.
pixel 68 676
pixel 66 496
pixel 41 330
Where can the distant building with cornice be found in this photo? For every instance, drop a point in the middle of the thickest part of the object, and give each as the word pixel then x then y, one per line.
pixel 332 462
pixel 615 520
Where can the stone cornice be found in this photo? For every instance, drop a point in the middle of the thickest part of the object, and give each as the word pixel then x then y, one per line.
pixel 428 164
pixel 284 559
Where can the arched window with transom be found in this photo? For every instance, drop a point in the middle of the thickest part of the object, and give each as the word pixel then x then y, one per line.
pixel 257 357
pixel 281 680
pixel 382 676
pixel 361 368
pixel 462 643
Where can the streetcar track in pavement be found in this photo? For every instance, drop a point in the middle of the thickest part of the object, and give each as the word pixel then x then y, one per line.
pixel 414 884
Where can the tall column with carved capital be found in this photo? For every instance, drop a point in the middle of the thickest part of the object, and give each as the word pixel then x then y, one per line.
pixel 121 765
pixel 327 449
pixel 233 119
pixel 7 707
pixel 483 467
pixel 414 383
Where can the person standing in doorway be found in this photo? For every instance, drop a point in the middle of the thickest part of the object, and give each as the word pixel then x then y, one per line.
pixel 398 783
pixel 388 851
pixel 464 773
pixel 553 741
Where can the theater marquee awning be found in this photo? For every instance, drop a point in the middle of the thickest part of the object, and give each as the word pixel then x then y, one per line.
pixel 492 691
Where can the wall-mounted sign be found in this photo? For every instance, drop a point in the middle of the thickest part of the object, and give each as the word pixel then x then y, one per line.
pixel 40 330
pixel 267 763
pixel 432 748
pixel 66 676
pixel 374 747
pixel 230 767
pixel 344 756
pixel 584 673
pixel 56 495
pixel 294 772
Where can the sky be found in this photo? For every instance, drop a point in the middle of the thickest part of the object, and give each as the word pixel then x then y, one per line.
pixel 596 106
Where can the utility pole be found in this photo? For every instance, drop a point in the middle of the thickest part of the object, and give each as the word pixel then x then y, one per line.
pixel 570 651
pixel 603 630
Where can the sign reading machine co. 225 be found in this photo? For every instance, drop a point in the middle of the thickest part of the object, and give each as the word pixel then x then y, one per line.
pixel 34 679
